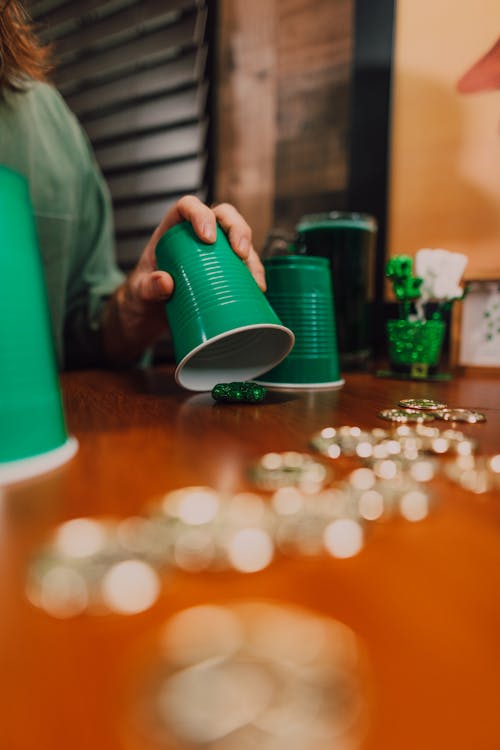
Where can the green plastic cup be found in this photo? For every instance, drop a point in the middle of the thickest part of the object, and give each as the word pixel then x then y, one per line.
pixel 347 239
pixel 223 328
pixel 33 437
pixel 299 289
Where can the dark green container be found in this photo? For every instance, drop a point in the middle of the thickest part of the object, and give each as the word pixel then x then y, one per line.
pixel 31 413
pixel 300 291
pixel 223 328
pixel 348 241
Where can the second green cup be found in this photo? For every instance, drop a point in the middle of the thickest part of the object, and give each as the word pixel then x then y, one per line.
pixel 223 328
pixel 300 291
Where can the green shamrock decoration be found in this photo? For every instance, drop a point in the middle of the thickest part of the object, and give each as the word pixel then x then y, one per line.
pixel 405 286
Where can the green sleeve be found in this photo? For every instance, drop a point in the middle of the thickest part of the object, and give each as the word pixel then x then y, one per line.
pixel 94 275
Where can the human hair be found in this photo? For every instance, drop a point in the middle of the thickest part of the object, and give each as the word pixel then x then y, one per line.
pixel 22 56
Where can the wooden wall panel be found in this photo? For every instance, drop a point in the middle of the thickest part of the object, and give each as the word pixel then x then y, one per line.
pixel 247 110
pixel 314 56
pixel 283 115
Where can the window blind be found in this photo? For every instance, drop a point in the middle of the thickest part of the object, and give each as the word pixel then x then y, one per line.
pixel 136 74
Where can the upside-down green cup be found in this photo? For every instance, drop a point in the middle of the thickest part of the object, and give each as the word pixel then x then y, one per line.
pixel 299 289
pixel 33 437
pixel 223 328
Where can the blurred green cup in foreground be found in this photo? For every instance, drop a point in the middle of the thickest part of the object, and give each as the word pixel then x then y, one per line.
pixel 33 436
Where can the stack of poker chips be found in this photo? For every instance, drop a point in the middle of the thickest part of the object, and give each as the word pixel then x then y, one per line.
pixel 258 675
pixel 426 410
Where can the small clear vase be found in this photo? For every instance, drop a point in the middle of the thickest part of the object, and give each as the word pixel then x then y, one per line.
pixel 415 346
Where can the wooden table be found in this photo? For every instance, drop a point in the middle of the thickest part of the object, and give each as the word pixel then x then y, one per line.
pixel 424 597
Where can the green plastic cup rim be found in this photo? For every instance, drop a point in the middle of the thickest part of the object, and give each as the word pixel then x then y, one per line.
pixel 301 260
pixel 205 382
pixel 26 468
pixel 414 324
pixel 298 386
pixel 342 219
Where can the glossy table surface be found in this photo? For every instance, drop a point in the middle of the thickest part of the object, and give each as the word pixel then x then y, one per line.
pixel 423 597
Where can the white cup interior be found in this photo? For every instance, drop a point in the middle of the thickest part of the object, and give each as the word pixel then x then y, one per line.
pixel 237 355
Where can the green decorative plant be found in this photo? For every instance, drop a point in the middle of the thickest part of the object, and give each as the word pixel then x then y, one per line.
pixel 437 277
pixel 405 286
pixel 425 299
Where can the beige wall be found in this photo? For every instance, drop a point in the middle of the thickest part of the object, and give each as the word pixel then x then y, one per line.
pixel 445 153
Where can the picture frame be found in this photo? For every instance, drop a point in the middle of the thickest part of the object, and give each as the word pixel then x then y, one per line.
pixel 479 325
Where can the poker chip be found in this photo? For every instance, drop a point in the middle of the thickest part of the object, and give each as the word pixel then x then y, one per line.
pixel 470 416
pixel 405 415
pixel 205 529
pixel 346 441
pixel 289 469
pixel 252 675
pixel 425 404
pixel 477 474
pixel 90 565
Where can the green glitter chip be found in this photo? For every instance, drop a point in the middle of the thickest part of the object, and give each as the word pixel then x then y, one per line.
pixel 239 393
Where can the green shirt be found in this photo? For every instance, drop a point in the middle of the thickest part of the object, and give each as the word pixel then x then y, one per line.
pixel 41 139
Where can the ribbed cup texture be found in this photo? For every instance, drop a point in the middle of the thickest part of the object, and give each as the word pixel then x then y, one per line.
pixel 31 413
pixel 214 298
pixel 300 291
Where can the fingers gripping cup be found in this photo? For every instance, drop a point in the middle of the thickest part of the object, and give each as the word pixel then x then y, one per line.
pixel 300 290
pixel 33 436
pixel 223 328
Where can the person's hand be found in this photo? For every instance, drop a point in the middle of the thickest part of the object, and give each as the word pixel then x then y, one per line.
pixel 135 317
pixel 150 284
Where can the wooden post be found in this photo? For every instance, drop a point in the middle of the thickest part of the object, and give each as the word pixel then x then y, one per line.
pixel 246 111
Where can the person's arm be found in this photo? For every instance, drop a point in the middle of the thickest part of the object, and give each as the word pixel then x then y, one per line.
pixel 111 320
pixel 134 317
pixel 93 275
